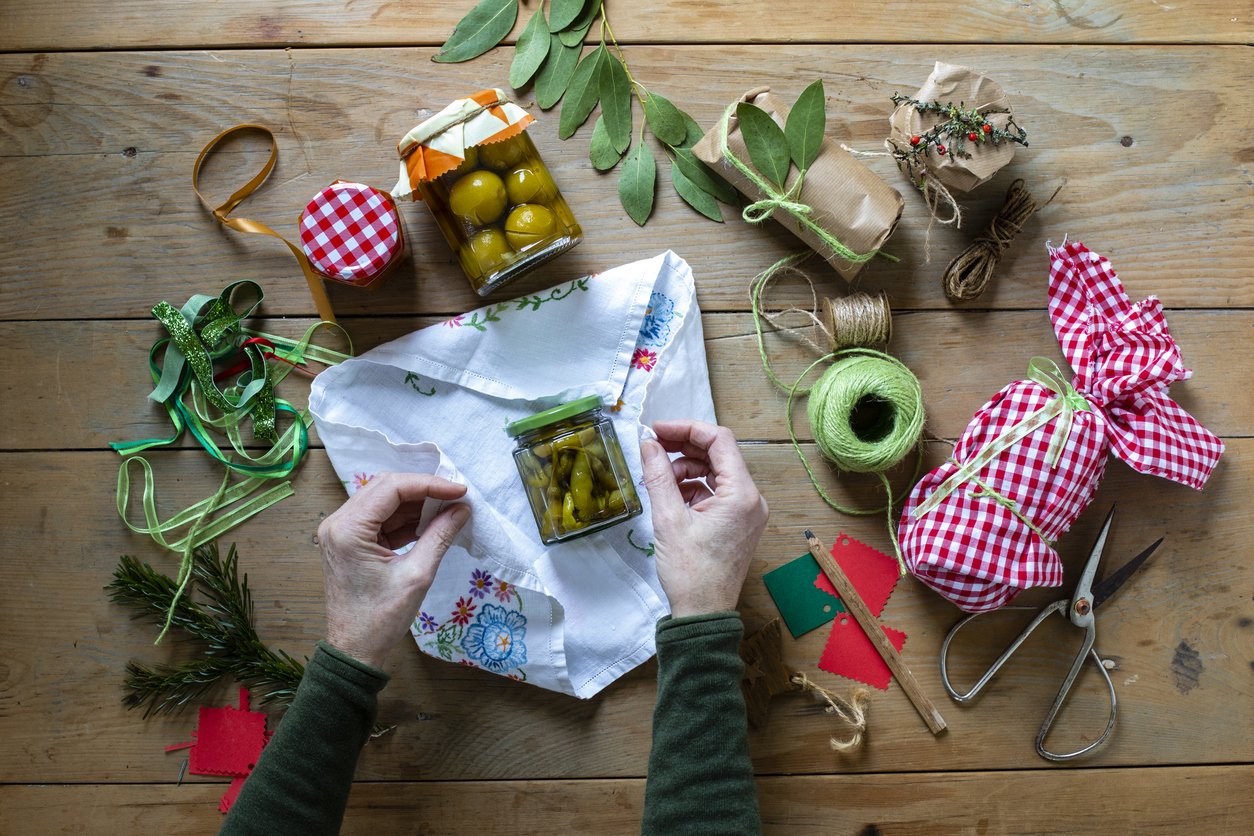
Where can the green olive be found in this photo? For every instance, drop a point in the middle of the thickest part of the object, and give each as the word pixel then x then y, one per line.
pixel 478 198
pixel 529 224
pixel 528 185
pixel 503 155
pixel 469 163
pixel 489 248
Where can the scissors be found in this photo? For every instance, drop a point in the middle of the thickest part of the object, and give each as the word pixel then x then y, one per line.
pixel 1080 609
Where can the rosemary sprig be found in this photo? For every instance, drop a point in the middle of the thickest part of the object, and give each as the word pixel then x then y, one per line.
pixel 957 127
pixel 222 623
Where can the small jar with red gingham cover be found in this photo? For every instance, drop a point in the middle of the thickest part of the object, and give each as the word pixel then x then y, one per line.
pixel 488 189
pixel 351 233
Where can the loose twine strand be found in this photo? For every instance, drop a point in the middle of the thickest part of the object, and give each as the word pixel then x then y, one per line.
pixel 968 275
pixel 851 711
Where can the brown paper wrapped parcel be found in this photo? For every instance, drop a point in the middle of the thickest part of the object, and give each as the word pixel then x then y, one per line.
pixel 848 200
pixel 970 90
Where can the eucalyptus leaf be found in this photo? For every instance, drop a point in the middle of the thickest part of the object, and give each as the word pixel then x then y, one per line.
pixel 701 176
pixel 768 147
pixel 805 125
pixel 556 73
pixel 533 48
pixel 577 31
pixel 483 27
pixel 562 13
pixel 584 93
pixel 615 100
pixel 601 151
pixel 694 195
pixel 694 131
pixel 665 120
pixel 636 181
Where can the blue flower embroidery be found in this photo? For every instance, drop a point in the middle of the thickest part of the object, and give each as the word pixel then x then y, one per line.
pixel 656 328
pixel 495 640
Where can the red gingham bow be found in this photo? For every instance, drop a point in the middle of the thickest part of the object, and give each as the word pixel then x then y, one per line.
pixel 979 529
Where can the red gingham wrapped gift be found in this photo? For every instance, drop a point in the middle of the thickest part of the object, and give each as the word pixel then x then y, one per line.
pixel 979 529
pixel 351 233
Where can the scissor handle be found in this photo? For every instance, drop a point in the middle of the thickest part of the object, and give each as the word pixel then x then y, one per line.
pixel 1086 652
pixel 1057 606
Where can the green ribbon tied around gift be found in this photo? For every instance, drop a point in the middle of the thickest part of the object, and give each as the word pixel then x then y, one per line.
pixel 1064 406
pixel 205 331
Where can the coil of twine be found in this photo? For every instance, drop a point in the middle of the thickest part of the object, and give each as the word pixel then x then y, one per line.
pixel 865 410
pixel 968 275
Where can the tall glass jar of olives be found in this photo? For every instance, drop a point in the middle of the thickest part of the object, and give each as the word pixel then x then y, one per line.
pixel 490 193
pixel 573 470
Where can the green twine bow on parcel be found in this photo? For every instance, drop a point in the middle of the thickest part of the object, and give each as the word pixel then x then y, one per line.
pixel 205 330
pixel 760 210
pixel 1064 406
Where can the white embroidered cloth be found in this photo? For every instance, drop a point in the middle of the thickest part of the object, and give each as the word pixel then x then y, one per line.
pixel 572 617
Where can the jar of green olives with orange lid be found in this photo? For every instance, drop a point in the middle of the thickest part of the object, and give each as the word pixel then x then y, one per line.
pixel 487 188
pixel 573 470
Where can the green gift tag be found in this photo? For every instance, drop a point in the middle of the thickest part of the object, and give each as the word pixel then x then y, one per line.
pixel 803 605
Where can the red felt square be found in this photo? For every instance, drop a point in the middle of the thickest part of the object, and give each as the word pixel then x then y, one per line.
pixel 849 653
pixel 228 741
pixel 873 574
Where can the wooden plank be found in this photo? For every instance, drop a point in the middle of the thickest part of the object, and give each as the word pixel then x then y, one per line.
pixel 1180 638
pixel 1160 800
pixel 77 24
pixel 112 138
pixel 63 369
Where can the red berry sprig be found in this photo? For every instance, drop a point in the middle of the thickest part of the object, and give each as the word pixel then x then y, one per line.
pixel 957 127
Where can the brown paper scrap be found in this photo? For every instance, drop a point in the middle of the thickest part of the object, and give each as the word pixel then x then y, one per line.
pixel 850 201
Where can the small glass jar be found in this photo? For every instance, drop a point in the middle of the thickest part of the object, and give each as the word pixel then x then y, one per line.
pixel 501 212
pixel 573 470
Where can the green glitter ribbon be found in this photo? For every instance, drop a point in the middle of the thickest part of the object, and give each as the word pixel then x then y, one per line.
pixel 206 330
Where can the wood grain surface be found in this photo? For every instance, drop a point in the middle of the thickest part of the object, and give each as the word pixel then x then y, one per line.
pixel 1138 109
pixel 1166 197
pixel 1155 802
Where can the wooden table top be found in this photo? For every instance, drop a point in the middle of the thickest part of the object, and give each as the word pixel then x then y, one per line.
pixel 1140 110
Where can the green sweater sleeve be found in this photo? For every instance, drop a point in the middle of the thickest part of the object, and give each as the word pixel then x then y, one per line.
pixel 301 782
pixel 700 776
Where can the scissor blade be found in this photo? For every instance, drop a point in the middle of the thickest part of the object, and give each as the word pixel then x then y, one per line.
pixel 1084 587
pixel 1110 585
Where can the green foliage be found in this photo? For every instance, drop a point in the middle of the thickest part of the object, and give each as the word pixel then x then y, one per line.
pixel 582 94
pixel 574 34
pixel 484 27
pixel 806 124
pixel 636 183
pixel 701 176
pixel 555 73
pixel 615 90
pixel 768 147
pixel 533 48
pixel 563 13
pixel 601 151
pixel 221 623
pixel 664 119
pixel 694 195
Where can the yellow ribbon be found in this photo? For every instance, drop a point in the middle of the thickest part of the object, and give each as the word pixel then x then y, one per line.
pixel 1044 371
pixel 223 213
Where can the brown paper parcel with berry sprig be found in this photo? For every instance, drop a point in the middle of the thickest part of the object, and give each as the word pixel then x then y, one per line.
pixel 969 89
pixel 848 200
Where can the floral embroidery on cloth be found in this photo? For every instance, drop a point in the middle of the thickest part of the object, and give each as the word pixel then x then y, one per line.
pixel 496 639
pixel 644 359
pixel 655 331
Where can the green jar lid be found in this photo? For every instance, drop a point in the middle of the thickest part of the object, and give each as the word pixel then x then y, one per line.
pixel 552 416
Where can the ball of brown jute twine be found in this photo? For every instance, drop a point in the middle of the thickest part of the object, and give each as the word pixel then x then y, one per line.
pixel 968 275
pixel 857 320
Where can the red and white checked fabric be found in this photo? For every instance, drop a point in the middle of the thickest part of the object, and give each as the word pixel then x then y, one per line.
pixel 351 232
pixel 977 552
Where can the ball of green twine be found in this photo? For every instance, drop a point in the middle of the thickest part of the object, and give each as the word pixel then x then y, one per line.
pixel 866 411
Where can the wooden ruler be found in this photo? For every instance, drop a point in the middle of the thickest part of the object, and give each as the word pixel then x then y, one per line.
pixel 871 626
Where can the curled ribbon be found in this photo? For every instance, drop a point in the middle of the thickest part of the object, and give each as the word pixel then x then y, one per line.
pixel 223 213
pixel 1067 402
pixel 760 210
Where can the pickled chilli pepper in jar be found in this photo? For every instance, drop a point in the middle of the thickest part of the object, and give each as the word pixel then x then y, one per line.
pixel 487 188
pixel 573 470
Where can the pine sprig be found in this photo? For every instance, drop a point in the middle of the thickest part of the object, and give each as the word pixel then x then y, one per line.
pixel 222 624
pixel 957 127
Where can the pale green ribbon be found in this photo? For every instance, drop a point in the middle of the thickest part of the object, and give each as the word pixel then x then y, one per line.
pixel 760 210
pixel 1064 406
